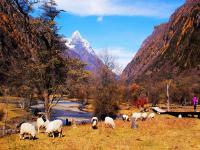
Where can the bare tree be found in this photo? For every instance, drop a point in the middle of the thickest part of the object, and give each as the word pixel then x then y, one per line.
pixel 107 92
pixel 168 86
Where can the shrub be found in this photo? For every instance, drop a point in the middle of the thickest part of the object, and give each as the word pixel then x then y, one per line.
pixel 141 101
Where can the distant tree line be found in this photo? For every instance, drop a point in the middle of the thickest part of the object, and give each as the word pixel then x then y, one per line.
pixel 181 91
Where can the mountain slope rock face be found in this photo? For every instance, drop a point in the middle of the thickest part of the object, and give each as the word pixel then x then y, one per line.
pixel 17 46
pixel 172 49
pixel 81 49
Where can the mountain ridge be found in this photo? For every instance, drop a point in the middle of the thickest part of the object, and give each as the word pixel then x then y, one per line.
pixel 172 48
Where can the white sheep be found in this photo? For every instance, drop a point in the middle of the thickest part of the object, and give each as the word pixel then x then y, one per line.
pixel 94 121
pixel 27 129
pixel 144 116
pixel 151 115
pixel 125 117
pixel 41 123
pixel 53 127
pixel 136 116
pixel 109 122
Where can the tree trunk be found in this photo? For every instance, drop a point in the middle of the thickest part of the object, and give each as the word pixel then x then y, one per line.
pixel 168 84
pixel 6 112
pixel 29 101
pixel 46 103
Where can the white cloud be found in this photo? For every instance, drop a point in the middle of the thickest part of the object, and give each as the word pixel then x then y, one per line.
pixel 116 7
pixel 100 19
pixel 122 56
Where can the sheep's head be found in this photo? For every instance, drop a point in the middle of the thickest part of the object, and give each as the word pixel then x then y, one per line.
pixel 33 135
pixel 94 124
pixel 48 132
pixel 44 118
pixel 113 126
pixel 46 123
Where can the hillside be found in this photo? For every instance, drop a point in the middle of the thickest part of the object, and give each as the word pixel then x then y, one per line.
pixel 172 50
pixel 17 46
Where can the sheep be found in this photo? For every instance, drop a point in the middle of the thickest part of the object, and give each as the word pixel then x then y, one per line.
pixel 144 116
pixel 151 115
pixel 54 126
pixel 41 123
pixel 94 121
pixel 27 129
pixel 125 117
pixel 136 116
pixel 109 122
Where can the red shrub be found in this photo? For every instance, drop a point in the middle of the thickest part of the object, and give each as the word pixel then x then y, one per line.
pixel 141 101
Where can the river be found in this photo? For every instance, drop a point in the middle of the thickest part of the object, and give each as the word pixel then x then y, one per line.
pixel 67 110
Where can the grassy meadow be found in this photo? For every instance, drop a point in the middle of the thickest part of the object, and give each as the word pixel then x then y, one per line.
pixel 13 114
pixel 163 132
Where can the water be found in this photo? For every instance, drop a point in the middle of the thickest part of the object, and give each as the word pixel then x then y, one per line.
pixel 67 110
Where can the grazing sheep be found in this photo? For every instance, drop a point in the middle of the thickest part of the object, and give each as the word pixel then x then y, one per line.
pixel 151 115
pixel 136 116
pixel 125 117
pixel 94 121
pixel 53 127
pixel 41 123
pixel 109 122
pixel 144 116
pixel 27 129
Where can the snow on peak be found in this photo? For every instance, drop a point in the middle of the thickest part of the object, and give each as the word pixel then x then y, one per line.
pixel 79 44
pixel 80 48
pixel 76 35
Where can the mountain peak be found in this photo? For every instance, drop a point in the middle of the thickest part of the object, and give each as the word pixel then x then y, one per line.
pixel 76 35
pixel 80 48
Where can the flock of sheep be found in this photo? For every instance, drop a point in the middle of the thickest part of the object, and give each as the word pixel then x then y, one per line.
pixel 55 126
pixel 52 127
pixel 109 122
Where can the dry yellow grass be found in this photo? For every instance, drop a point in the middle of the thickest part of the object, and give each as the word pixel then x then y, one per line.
pixel 164 132
pixel 13 112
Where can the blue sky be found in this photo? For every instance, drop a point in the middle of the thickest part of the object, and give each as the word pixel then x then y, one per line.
pixel 120 26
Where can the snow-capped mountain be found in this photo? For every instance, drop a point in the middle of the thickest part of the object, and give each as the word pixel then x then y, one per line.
pixel 80 48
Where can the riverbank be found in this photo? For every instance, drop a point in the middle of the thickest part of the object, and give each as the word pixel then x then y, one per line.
pixel 14 116
pixel 67 109
pixel 63 110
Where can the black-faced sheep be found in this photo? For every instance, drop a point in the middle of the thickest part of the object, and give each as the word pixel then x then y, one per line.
pixel 125 117
pixel 41 123
pixel 94 121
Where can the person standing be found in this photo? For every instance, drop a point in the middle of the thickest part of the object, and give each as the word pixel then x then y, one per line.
pixel 195 102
